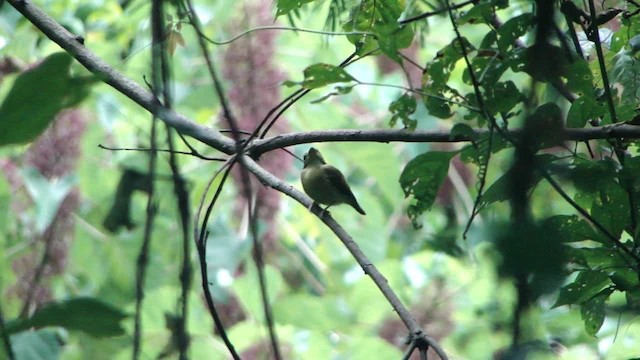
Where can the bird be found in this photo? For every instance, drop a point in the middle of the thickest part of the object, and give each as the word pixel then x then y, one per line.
pixel 325 184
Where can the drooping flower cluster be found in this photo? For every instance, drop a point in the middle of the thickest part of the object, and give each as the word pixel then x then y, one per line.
pixel 54 154
pixel 254 80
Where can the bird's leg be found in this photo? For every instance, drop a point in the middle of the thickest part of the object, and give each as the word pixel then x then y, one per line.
pixel 325 210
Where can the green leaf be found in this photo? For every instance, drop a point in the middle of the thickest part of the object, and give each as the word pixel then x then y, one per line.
pixel 625 279
pixel 319 75
pixel 421 179
pixel 37 96
pixel 381 19
pixel 402 108
pixel 88 315
pixel 500 190
pixel 611 208
pixel 584 109
pixel 593 312
pixel 502 97
pixel 477 152
pixel 487 67
pixel 568 228
pixel 43 344
pixel 46 194
pixel 586 286
pixel 590 176
pixel 629 30
pixel 514 28
pixel 462 130
pixel 579 78
pixel 284 6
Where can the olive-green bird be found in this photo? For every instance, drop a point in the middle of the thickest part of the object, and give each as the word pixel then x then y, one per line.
pixel 325 184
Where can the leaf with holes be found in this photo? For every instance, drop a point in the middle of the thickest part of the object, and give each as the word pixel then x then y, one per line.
pixel 421 179
pixel 593 312
pixel 586 285
pixel 401 109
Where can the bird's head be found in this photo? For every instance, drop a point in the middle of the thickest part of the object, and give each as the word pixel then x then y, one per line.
pixel 313 158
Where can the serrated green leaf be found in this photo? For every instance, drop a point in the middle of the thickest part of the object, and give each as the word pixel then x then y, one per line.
pixel 25 113
pixel 421 179
pixel 319 75
pixel 88 315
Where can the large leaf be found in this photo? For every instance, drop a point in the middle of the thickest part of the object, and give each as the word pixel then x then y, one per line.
pixel 421 179
pixel 37 96
pixel 88 315
pixel 43 344
pixel 586 286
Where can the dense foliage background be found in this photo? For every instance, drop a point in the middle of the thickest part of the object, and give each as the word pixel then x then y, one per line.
pixel 502 202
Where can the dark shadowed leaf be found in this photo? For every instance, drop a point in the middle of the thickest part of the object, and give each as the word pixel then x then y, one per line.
pixel 587 285
pixel 88 315
pixel 593 312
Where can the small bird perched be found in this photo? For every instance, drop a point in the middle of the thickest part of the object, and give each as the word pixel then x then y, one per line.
pixel 325 184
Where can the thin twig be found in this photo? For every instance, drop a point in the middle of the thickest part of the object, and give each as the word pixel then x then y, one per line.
pixel 196 154
pixel 260 146
pixel 201 246
pixel 437 12
pixel 263 28
pixel 246 184
pixel 6 339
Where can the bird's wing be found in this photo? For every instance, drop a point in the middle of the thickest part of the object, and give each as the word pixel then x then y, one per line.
pixel 336 178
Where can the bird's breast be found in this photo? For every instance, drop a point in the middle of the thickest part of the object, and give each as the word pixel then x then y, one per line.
pixel 319 187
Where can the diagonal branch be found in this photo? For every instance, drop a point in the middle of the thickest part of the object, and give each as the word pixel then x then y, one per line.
pixel 74 46
pixel 410 322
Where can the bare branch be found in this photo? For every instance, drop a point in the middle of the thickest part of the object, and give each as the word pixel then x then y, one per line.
pixel 369 268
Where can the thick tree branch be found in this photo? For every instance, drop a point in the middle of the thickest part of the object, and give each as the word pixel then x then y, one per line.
pixel 394 135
